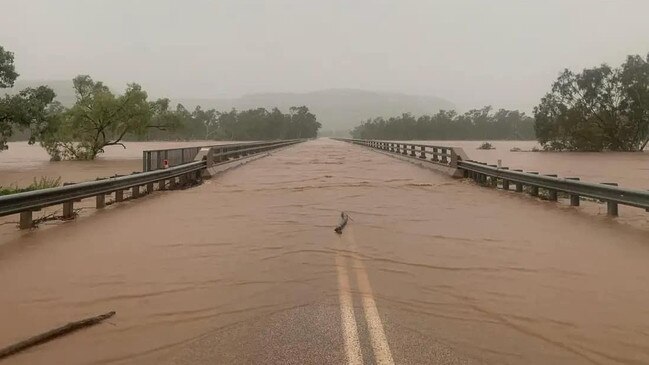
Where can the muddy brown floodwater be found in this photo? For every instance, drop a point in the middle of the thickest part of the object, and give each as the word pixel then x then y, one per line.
pixel 245 269
pixel 22 163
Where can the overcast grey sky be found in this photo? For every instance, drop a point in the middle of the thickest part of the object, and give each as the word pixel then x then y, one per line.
pixel 472 52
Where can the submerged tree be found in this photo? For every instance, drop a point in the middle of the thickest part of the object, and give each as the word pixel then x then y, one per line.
pixel 31 109
pixel 100 119
pixel 601 108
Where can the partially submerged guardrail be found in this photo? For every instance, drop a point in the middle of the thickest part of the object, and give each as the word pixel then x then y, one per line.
pixel 441 158
pixel 28 202
pixel 503 177
pixel 154 159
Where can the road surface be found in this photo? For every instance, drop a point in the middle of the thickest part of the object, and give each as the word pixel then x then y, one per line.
pixel 247 269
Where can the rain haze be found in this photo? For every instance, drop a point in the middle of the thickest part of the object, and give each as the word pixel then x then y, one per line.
pixel 324 182
pixel 473 53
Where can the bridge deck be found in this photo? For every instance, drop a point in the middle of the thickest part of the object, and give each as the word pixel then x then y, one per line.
pixel 247 269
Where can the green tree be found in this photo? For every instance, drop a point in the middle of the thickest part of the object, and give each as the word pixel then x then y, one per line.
pixel 8 73
pixel 601 108
pixel 29 110
pixel 303 124
pixel 260 124
pixel 204 123
pixel 476 124
pixel 100 119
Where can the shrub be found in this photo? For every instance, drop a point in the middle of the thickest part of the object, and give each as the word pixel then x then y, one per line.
pixel 486 146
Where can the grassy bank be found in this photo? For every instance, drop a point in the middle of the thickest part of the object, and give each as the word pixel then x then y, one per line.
pixel 42 183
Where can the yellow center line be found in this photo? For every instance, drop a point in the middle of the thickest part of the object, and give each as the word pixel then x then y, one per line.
pixel 350 329
pixel 382 353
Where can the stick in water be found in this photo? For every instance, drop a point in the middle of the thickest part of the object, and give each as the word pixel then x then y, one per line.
pixel 52 334
pixel 343 222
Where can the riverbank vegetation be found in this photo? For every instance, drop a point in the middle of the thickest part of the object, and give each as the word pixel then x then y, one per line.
pixel 37 184
pixel 29 111
pixel 599 109
pixel 101 118
pixel 477 124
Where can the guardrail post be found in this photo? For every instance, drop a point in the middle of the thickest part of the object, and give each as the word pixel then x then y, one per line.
pixel 552 194
pixel 611 207
pixel 100 201
pixel 574 198
pixel 135 191
pixel 505 181
pixel 68 210
pixel 422 154
pixel 493 179
pixel 26 220
pixel 534 190
pixel 119 195
pixel 454 158
pixel 519 186
pixel 444 157
pixel 149 188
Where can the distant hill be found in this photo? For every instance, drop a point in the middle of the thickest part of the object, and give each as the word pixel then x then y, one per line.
pixel 337 109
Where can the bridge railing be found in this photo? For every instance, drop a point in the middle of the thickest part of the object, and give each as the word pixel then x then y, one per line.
pixel 28 202
pixel 154 159
pixel 443 155
pixel 503 177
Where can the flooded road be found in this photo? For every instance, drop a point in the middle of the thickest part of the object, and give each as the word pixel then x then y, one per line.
pixel 247 269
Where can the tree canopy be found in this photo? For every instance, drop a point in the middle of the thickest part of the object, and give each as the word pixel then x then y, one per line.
pixel 477 124
pixel 99 118
pixel 261 124
pixel 31 109
pixel 601 108
pixel 8 73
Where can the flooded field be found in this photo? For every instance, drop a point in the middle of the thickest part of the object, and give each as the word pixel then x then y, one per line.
pixel 243 269
pixel 22 163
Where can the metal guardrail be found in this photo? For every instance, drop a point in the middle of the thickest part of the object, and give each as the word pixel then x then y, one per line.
pixel 28 202
pixel 608 192
pixel 443 155
pixel 153 159
pixel 503 177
